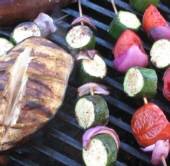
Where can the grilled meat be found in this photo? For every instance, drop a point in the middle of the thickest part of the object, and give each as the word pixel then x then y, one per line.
pixel 33 81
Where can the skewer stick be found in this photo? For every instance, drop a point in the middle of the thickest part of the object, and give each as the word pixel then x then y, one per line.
pixel 163 161
pixel 80 10
pixel 145 100
pixel 114 6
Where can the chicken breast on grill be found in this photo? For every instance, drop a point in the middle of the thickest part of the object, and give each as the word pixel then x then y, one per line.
pixel 33 80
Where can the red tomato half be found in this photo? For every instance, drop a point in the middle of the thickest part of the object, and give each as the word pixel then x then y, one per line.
pixel 126 40
pixel 149 125
pixel 152 18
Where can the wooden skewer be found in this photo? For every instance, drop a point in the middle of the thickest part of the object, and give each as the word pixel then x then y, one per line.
pixel 114 6
pixel 163 161
pixel 145 100
pixel 80 10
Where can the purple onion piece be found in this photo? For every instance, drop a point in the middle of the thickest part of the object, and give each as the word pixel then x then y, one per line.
pixel 88 54
pixel 46 24
pixel 92 132
pixel 149 148
pixel 132 58
pixel 92 88
pixel 162 32
pixel 85 20
pixel 162 148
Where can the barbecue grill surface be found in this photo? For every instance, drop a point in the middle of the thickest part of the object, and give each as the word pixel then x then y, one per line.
pixel 59 143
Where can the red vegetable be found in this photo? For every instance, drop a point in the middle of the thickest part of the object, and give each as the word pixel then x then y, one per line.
pixel 149 125
pixel 129 52
pixel 166 87
pixel 152 131
pixel 155 24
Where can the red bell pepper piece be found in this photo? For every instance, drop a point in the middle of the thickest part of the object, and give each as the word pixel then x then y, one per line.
pixel 149 124
pixel 153 19
pixel 166 87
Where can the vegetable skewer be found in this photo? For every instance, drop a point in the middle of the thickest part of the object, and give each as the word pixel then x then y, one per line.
pixel 122 21
pixel 81 36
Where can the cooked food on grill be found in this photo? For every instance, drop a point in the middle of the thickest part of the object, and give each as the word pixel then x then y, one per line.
pixel 34 77
pixel 152 131
pixel 91 66
pixel 160 53
pixel 166 87
pixel 91 111
pixel 141 5
pixel 155 24
pixel 122 21
pixel 100 146
pixel 43 25
pixel 20 10
pixel 80 37
pixel 5 46
pixel 129 52
pixel 140 82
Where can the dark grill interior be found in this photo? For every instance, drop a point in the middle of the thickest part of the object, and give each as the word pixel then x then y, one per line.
pixel 59 143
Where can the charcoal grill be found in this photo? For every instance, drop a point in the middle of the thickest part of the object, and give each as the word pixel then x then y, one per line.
pixel 59 143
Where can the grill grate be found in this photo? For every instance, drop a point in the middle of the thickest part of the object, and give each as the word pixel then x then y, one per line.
pixel 59 143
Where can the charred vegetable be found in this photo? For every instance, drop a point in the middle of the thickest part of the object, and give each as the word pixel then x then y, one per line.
pixel 155 24
pixel 34 77
pixel 129 52
pixel 5 46
pixel 24 31
pixel 43 25
pixel 100 146
pixel 122 21
pixel 91 66
pixel 140 82
pixel 160 53
pixel 91 111
pixel 80 37
pixel 141 5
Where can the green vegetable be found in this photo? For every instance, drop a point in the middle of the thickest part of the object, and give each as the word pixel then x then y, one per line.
pixel 122 21
pixel 92 69
pixel 101 151
pixel 80 37
pixel 141 5
pixel 91 111
pixel 24 31
pixel 140 82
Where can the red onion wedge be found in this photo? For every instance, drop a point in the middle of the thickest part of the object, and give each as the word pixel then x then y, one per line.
pixel 132 58
pixel 166 87
pixel 160 149
pixel 92 88
pixel 46 24
pixel 85 20
pixel 162 32
pixel 88 54
pixel 92 132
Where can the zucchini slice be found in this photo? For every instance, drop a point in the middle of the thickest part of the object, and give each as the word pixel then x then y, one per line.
pixel 140 82
pixel 160 53
pixel 124 20
pixel 101 151
pixel 5 46
pixel 91 111
pixel 92 69
pixel 24 31
pixel 80 37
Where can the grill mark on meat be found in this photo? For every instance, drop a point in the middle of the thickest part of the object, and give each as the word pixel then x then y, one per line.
pixel 42 109
pixel 6 64
pixel 3 80
pixel 38 89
